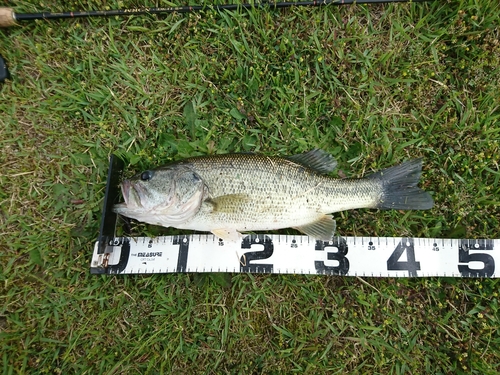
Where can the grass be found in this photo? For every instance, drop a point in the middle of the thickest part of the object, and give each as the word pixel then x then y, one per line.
pixel 373 85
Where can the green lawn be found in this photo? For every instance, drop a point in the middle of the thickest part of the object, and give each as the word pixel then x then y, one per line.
pixel 373 85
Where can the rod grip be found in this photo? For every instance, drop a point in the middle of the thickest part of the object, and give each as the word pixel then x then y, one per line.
pixel 7 18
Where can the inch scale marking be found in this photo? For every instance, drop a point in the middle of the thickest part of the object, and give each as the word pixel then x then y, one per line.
pixel 265 253
pixel 344 256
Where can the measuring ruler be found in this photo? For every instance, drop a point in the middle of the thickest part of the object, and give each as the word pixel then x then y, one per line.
pixel 345 256
pixel 286 254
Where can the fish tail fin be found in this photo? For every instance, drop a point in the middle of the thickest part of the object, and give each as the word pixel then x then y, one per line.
pixel 399 187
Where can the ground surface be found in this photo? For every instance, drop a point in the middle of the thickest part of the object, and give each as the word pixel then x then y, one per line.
pixel 373 85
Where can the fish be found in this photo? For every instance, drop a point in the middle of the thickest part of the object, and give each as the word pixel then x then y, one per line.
pixel 230 194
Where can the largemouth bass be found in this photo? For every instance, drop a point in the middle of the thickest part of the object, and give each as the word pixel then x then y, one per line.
pixel 234 193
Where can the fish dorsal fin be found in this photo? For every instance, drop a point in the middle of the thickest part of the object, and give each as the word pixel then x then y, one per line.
pixel 317 159
pixel 230 203
pixel 321 229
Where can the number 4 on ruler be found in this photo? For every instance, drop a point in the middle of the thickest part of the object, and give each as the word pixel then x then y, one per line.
pixel 411 265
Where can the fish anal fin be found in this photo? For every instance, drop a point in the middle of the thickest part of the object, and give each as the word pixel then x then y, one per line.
pixel 317 159
pixel 321 229
pixel 231 235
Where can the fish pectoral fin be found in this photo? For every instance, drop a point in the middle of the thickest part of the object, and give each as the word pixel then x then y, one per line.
pixel 231 235
pixel 321 229
pixel 230 203
pixel 317 159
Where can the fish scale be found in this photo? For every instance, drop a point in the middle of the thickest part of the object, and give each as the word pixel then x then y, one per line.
pixel 281 190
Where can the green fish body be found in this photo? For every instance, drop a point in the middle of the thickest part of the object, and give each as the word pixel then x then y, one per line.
pixel 234 193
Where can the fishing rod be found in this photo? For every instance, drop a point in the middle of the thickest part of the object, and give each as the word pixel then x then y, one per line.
pixel 9 18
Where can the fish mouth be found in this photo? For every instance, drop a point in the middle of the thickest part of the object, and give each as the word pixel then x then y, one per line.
pixel 125 186
pixel 133 195
pixel 123 206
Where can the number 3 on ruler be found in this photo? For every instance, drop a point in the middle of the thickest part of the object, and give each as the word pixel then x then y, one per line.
pixel 339 255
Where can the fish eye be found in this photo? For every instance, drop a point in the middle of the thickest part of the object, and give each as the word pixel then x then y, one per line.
pixel 147 175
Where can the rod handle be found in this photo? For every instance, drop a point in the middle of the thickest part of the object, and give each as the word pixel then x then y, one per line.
pixel 7 17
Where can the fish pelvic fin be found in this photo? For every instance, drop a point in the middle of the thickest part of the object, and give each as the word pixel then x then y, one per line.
pixel 317 159
pixel 230 235
pixel 399 187
pixel 321 229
